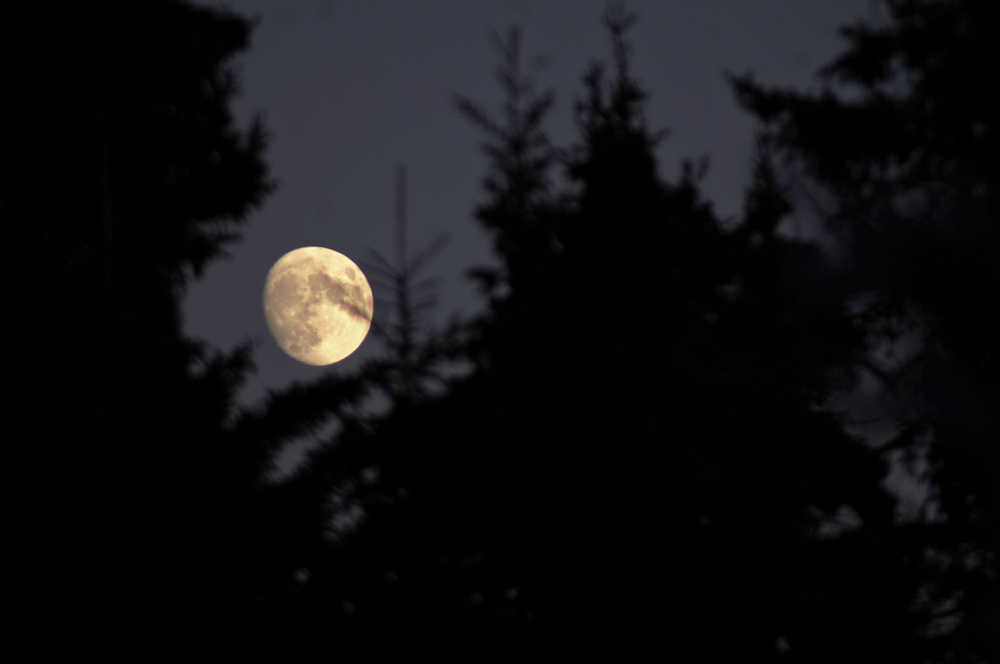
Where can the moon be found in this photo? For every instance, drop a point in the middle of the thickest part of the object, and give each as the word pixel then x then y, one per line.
pixel 318 305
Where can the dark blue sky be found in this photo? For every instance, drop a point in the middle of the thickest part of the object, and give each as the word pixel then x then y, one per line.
pixel 350 88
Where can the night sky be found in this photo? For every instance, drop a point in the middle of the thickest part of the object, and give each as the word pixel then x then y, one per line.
pixel 349 89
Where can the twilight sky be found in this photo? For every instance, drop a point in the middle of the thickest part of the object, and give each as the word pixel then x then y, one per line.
pixel 349 88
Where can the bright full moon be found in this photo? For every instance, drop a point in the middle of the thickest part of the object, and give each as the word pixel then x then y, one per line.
pixel 318 305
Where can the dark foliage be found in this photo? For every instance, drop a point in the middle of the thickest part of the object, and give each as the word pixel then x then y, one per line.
pixel 900 143
pixel 128 174
pixel 642 449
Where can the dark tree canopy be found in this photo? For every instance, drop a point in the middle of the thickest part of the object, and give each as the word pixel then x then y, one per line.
pixel 899 147
pixel 642 447
pixel 128 173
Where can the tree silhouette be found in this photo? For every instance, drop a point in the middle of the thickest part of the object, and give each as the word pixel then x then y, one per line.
pixel 898 146
pixel 309 576
pixel 643 446
pixel 413 358
pixel 128 171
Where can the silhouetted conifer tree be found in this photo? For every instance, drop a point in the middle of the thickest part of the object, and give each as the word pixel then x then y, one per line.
pixel 898 147
pixel 129 174
pixel 308 579
pixel 642 448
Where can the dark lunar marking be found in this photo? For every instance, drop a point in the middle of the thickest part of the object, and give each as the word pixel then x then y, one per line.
pixel 301 338
pixel 349 271
pixel 285 288
pixel 321 284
